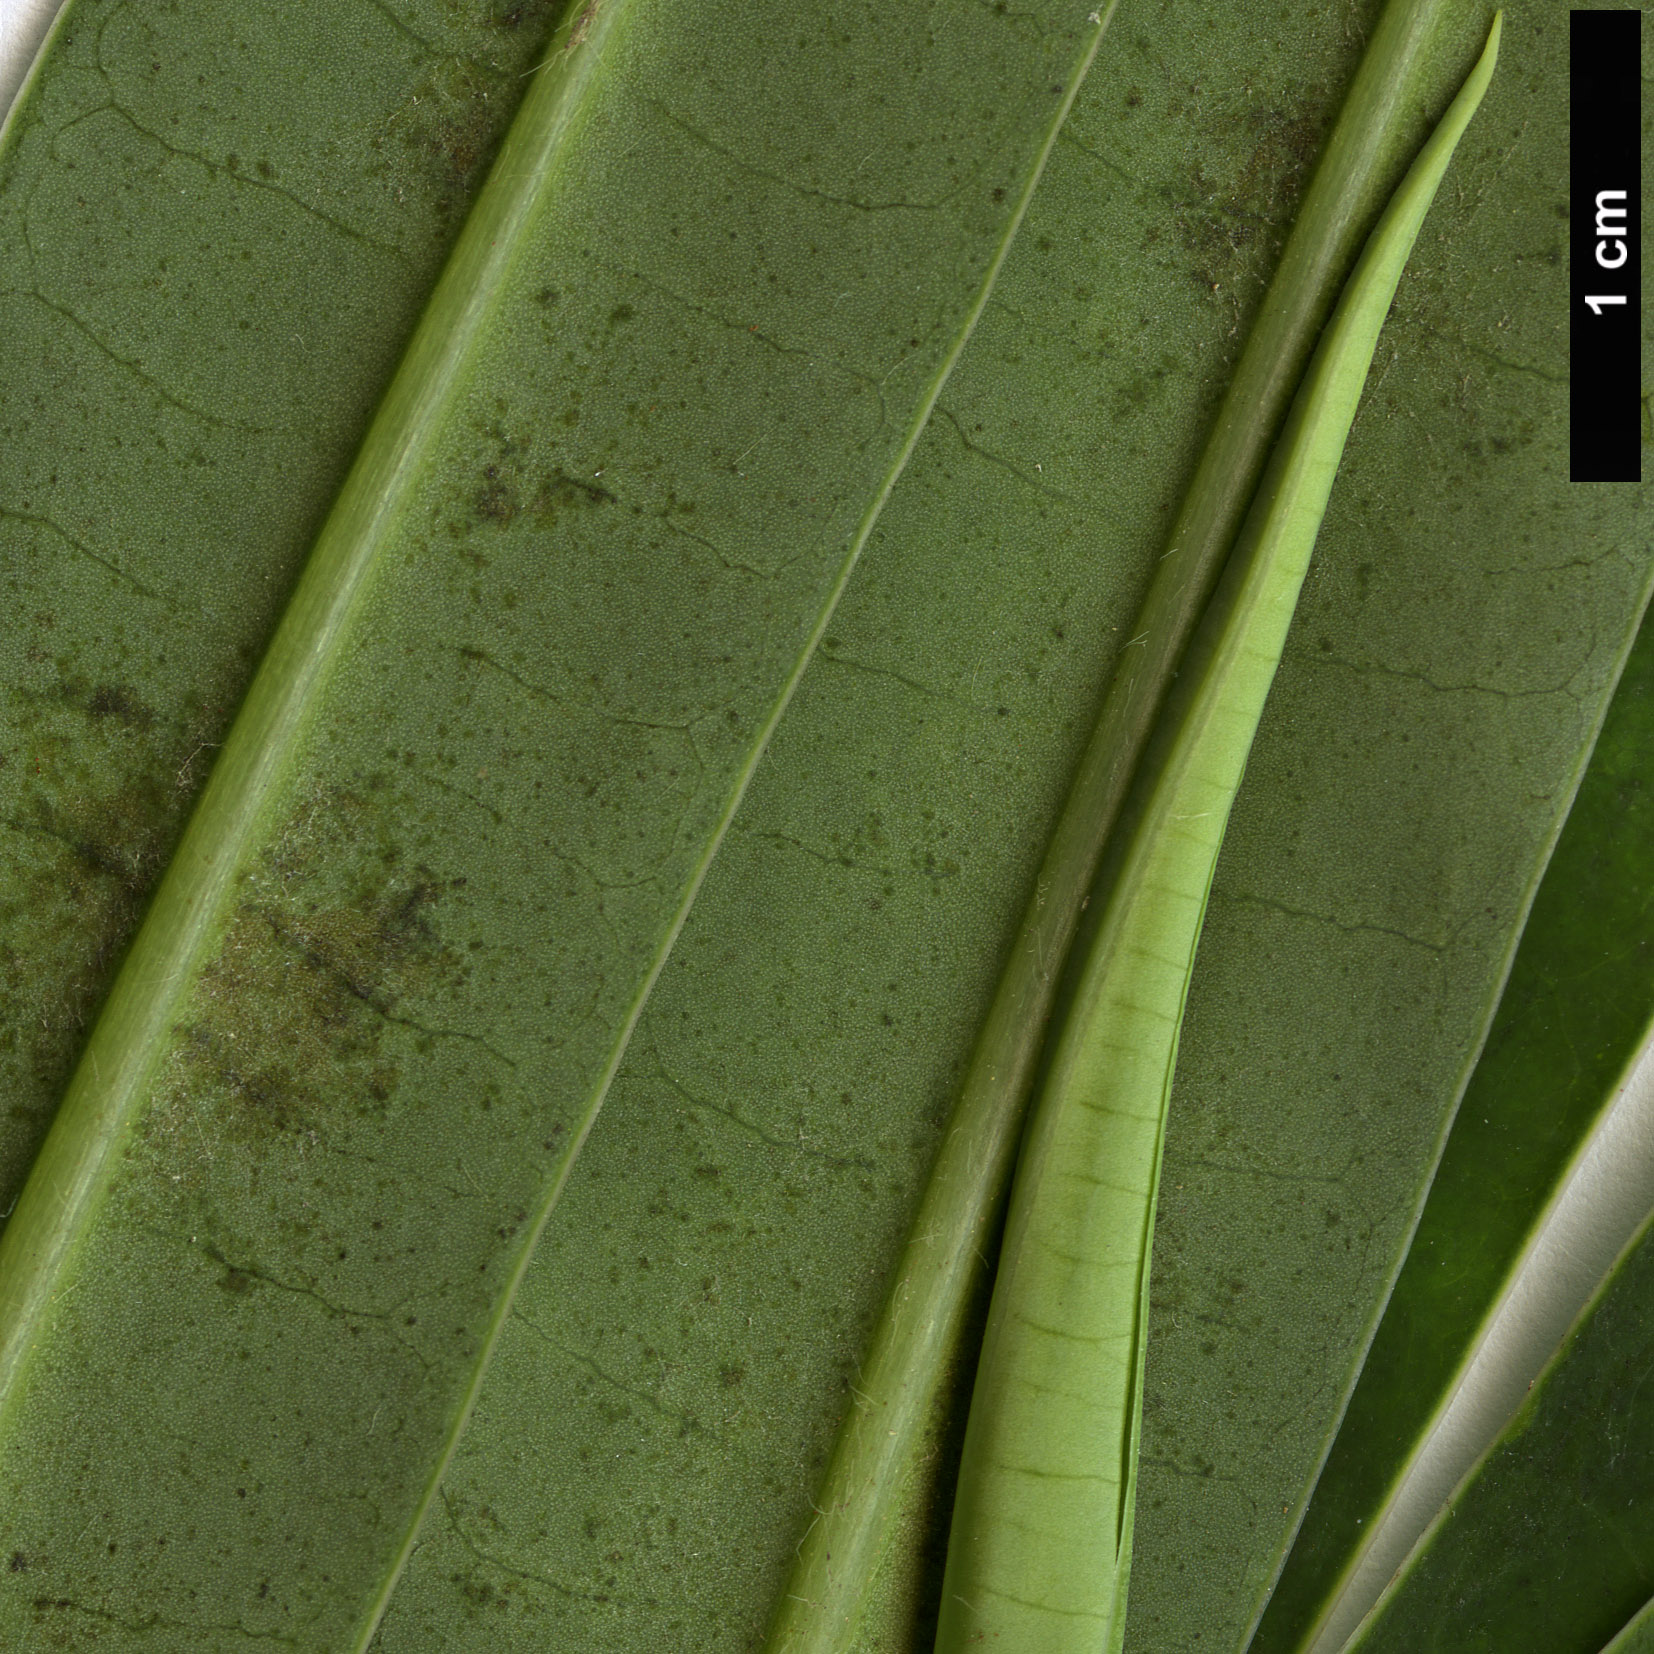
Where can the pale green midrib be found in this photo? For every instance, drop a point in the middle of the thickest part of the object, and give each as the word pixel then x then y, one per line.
pixel 1188 765
pixel 1132 1435
pixel 1239 666
pixel 1636 1636
pixel 1197 759
pixel 973 1162
pixel 71 1175
pixel 1132 1422
pixel 595 1099
pixel 1396 45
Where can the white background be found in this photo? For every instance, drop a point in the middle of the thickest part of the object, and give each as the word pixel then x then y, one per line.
pixel 23 24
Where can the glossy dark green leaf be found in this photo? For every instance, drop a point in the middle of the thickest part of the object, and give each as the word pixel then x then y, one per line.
pixel 1549 1544
pixel 1574 1013
pixel 597 525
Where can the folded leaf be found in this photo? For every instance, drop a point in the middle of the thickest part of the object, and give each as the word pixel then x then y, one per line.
pixel 600 520
pixel 645 1456
pixel 1549 1542
pixel 876 870
pixel 1575 1013
pixel 1042 1524
pixel 908 1354
pixel 1421 747
pixel 566 1520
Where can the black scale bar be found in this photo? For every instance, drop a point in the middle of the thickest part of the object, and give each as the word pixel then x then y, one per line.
pixel 1605 314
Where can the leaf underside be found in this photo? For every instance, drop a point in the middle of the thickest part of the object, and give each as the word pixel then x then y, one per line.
pixel 1367 850
pixel 1044 1509
pixel 601 566
pixel 641 1461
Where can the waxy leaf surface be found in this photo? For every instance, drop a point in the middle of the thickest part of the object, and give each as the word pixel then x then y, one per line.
pixel 1421 746
pixel 644 1458
pixel 1574 1014
pixel 704 1388
pixel 1549 1543
pixel 218 225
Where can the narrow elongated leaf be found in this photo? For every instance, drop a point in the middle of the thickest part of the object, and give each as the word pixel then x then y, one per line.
pixel 642 1486
pixel 1574 1014
pixel 1042 1524
pixel 907 1356
pixel 1379 864
pixel 597 526
pixel 644 1460
pixel 1549 1543
pixel 770 1132
pixel 218 225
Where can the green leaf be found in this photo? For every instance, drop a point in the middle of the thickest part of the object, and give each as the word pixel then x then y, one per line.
pixel 1549 1543
pixel 188 421
pixel 1574 1015
pixel 908 1355
pixel 642 1461
pixel 1042 1521
pixel 598 524
pixel 1372 887
pixel 1637 1637
pixel 697 1337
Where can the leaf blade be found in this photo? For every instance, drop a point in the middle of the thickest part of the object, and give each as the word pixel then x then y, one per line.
pixel 118 739
pixel 71 1175
pixel 314 931
pixel 1565 1031
pixel 839 1552
pixel 1274 1256
pixel 703 1482
pixel 1517 1559
pixel 1035 1559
